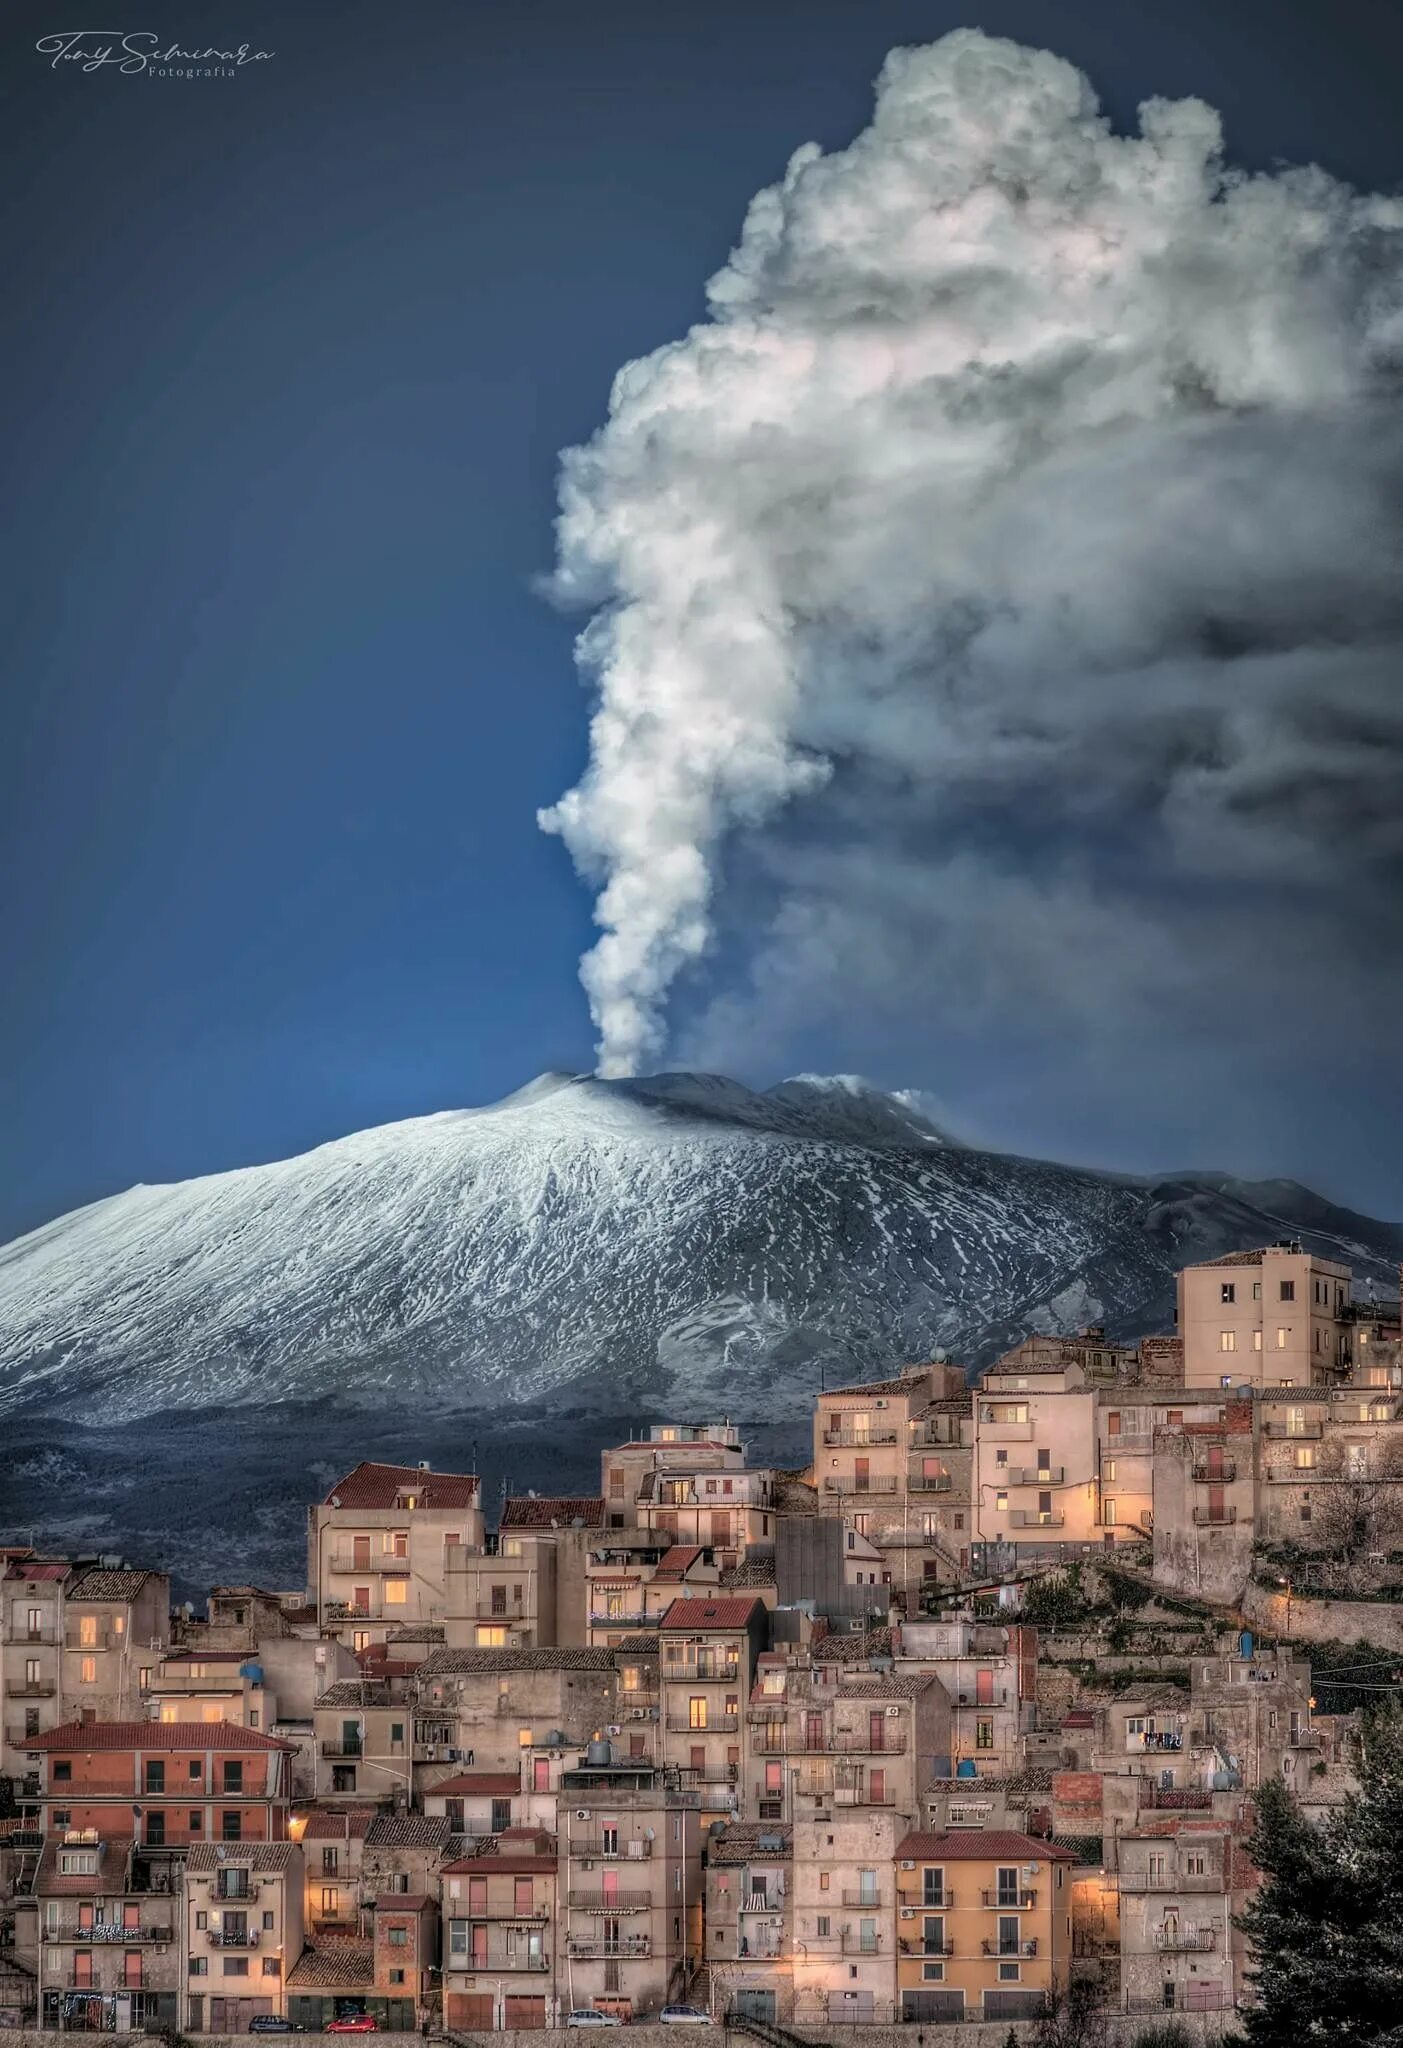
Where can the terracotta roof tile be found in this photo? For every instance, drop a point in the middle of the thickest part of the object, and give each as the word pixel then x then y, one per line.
pixel 476 1785
pixel 241 1856
pixel 538 1511
pixel 408 1831
pixel 450 1663
pixel 978 1845
pixel 109 1585
pixel 727 1612
pixel 377 1486
pixel 349 1962
pixel 86 1735
pixel 326 1825
pixel 741 1843
pixel 676 1562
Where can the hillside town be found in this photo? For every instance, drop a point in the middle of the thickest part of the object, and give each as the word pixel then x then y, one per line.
pixel 971 1710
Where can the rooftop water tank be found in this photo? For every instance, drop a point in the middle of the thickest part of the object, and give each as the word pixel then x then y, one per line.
pixel 1244 1645
pixel 252 1672
pixel 599 1754
pixel 965 1768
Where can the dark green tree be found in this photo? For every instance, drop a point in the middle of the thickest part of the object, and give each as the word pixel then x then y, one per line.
pixel 1325 1928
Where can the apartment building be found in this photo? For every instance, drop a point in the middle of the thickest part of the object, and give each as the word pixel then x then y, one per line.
pixel 99 1931
pixel 1279 1316
pixel 682 1449
pixel 384 1974
pixel 829 1737
pixel 708 1649
pixel 333 1843
pixel 256 1688
pixel 1059 1464
pixel 364 1743
pixel 1182 1881
pixel 749 1920
pixel 242 1910
pixel 989 1674
pixel 983 1924
pixel 500 1599
pixel 172 1784
pixel 501 1961
pixel 630 1839
pixel 732 1513
pixel 892 1458
pixel 377 1548
pixel 570 1525
pixel 843 1961
pixel 478 1803
pixel 485 1708
pixel 75 1640
pixel 632 1577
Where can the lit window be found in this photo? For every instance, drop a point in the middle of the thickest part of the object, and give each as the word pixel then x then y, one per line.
pixel 1229 1291
pixel 396 1591
pixel 490 1637
pixel 1281 1340
pixel 1000 1502
pixel 87 1670
pixel 1227 1340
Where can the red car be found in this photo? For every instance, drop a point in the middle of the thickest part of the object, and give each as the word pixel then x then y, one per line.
pixel 354 2023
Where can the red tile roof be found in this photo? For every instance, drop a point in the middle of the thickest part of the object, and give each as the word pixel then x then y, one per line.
pixel 403 1902
pixel 500 1866
pixel 728 1612
pixel 476 1784
pixel 675 1563
pixel 535 1511
pixel 85 1735
pixel 979 1845
pixel 38 1570
pixel 324 1825
pixel 376 1486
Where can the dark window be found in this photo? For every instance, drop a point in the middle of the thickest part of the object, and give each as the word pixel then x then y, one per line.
pixel 194 1767
pixel 156 1829
pixel 1288 1290
pixel 197 1820
pixel 231 1826
pixel 233 1777
pixel 63 1773
pixel 155 1774
pixel 501 1815
pixel 1229 1291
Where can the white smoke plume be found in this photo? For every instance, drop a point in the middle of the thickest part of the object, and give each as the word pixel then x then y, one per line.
pixel 1022 472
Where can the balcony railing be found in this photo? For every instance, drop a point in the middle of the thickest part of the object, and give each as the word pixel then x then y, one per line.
pixel 349 1751
pixel 859 1795
pixel 591 1901
pixel 379 1561
pixel 763 1902
pixel 1168 1881
pixel 33 1691
pixel 107 1931
pixel 715 1724
pixel 636 1850
pixel 914 1946
pixel 995 1947
pixel 1185 1940
pixel 870 1901
pixel 943 1902
pixel 76 1638
pixel 521 1962
pixel 247 1892
pixel 233 1937
pixel 632 1619
pixel 1155 1742
pixel 930 1482
pixel 1296 1432
pixel 1009 1902
pixel 1008 1432
pixel 1216 1475
pixel 855 1944
pixel 969 1696
pixel 1036 1475
pixel 879 1482
pixel 859 1438
pixel 628 1947
pixel 1034 1518
pixel 1214 1518
pixel 705 1673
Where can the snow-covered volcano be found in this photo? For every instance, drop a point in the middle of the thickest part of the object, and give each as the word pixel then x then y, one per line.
pixel 679 1241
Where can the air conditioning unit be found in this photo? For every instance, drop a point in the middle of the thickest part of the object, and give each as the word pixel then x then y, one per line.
pixel 908 1912
pixel 432 1752
pixel 892 1711
pixel 614 1730
pixel 638 1713
pixel 907 1865
pixel 582 1813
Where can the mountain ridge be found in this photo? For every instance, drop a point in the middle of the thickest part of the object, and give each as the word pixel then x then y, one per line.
pixel 677 1237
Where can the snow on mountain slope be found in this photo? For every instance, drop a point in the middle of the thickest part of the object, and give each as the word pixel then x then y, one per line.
pixel 679 1239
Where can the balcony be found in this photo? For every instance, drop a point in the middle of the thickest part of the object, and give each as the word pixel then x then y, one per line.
pixel 1032 1518
pixel 855 1944
pixel 1214 1518
pixel 1216 1475
pixel 637 1850
pixel 850 1483
pixel 943 1902
pixel 889 1741
pixel 930 1482
pixel 868 1902
pixel 1036 1475
pixel 859 1439
pixel 233 1937
pixel 1185 1940
pixel 763 1902
pixel 35 1690
pixel 107 1931
pixel 995 1947
pixel 633 1619
pixel 48 1637
pixel 1170 1881
pixel 603 1901
pixel 1177 1799
pixel 628 1948
pixel 914 1946
pixel 379 1561
pixel 968 1696
pixel 1296 1432
pixel 521 1963
pixel 1009 1902
pixel 715 1724
pixel 90 1638
pixel 1009 1432
pixel 856 1795
pixel 247 1895
pixel 348 1752
pixel 1155 1742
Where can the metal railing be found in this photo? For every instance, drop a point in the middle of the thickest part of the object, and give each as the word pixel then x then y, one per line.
pixel 627 1947
pixel 635 1850
pixel 871 1900
pixel 1166 1881
pixel 105 1931
pixel 930 1482
pixel 233 1937
pixel 855 1944
pixel 1296 1432
pixel 379 1561
pixel 1214 1518
pixel 1036 1475
pixel 715 1724
pixel 850 1483
pixel 1185 1940
pixel 32 1691
pixel 581 1900
pixel 859 1438
pixel 1009 1902
pixel 995 1947
pixel 1220 1475
pixel 914 1945
pixel 1033 1518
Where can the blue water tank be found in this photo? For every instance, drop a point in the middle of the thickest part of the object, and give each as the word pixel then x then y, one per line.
pixel 965 1768
pixel 1244 1645
pixel 252 1672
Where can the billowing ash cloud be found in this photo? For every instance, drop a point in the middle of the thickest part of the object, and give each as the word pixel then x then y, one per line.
pixel 1028 504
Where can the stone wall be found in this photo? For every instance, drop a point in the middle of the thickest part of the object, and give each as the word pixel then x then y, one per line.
pixel 1320 1621
pixel 1120 2031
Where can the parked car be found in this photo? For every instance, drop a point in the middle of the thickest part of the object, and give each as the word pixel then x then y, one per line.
pixel 685 2016
pixel 590 2016
pixel 353 2023
pixel 271 2023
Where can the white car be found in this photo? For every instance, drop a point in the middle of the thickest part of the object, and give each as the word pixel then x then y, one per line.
pixel 685 2016
pixel 589 2016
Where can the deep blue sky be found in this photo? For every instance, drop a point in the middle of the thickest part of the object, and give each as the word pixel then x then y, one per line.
pixel 288 362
